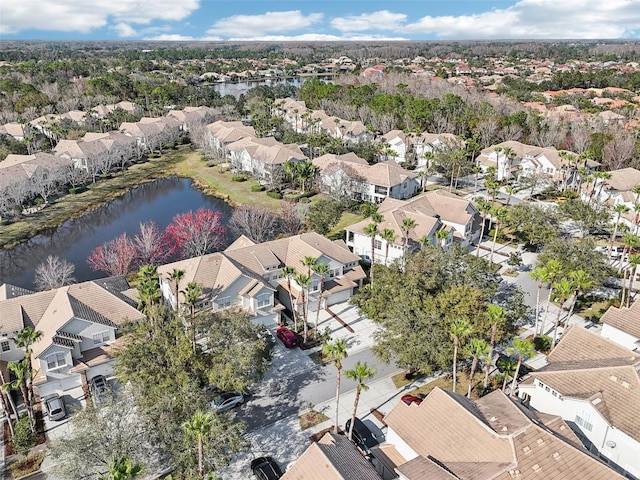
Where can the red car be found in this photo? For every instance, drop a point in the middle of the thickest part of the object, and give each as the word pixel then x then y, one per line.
pixel 409 399
pixel 288 337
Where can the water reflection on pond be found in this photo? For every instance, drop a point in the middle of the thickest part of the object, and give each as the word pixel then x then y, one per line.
pixel 75 239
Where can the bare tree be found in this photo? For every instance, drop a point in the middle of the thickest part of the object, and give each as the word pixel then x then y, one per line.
pixel 580 137
pixel 619 150
pixel 292 217
pixel 75 176
pixel 46 182
pixel 257 222
pixel 151 247
pixel 54 273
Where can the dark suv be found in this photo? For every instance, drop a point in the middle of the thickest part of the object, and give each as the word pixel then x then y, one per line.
pixel 364 438
pixel 266 468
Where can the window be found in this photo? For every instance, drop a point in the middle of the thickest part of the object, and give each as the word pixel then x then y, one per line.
pixel 224 302
pixel 582 419
pixel 315 285
pixel 6 346
pixel 264 300
pixel 101 337
pixel 335 272
pixel 57 360
pixel 377 244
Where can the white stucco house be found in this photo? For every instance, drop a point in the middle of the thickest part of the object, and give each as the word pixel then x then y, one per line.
pixel 622 325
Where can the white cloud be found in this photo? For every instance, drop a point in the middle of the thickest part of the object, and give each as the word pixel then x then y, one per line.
pixel 316 37
pixel 382 20
pixel 87 15
pixel 548 19
pixel 245 26
pixel 124 30
pixel 170 37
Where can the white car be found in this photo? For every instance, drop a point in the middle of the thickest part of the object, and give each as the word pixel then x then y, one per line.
pixel 226 401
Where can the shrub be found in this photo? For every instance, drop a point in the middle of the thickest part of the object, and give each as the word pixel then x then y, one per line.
pixel 76 190
pixel 24 439
pixel 274 194
pixel 185 140
pixel 238 178
pixel 542 343
pixel 258 188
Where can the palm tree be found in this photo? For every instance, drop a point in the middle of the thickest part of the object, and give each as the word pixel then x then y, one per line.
pixel 619 210
pixel 458 330
pixel 191 296
pixel 337 351
pixel 497 318
pixel 630 241
pixel 581 281
pixel 289 273
pixel 499 213
pixel 122 469
pixel 24 339
pixel 7 401
pixel 148 287
pixel 174 277
pixel 522 349
pixel 424 241
pixel 371 230
pixel 634 262
pixel 389 236
pixel 442 235
pixel 305 282
pixel 508 369
pixel 541 275
pixel 563 290
pixel 308 262
pixel 484 207
pixel 477 348
pixel 20 371
pixel 199 426
pixel 321 269
pixel 602 176
pixel 360 373
pixel 554 268
pixel 510 189
pixel 408 224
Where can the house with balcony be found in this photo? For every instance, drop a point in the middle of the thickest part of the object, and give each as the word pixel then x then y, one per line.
pixel 429 144
pixel 593 384
pixel 220 134
pixel 395 146
pixel 80 323
pixel 504 157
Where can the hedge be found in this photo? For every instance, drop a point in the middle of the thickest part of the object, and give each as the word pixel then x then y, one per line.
pixel 274 194
pixel 258 188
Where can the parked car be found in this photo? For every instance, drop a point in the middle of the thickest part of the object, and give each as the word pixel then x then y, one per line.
pixel 54 405
pixel 226 401
pixel 288 337
pixel 266 468
pixel 99 389
pixel 616 252
pixel 364 438
pixel 409 399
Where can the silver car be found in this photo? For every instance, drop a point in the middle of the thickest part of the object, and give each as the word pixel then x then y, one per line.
pixel 55 407
pixel 226 401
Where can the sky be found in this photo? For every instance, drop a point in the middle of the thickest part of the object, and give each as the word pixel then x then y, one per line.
pixel 317 20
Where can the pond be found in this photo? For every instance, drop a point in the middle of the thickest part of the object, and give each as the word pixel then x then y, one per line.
pixel 75 239
pixel 237 88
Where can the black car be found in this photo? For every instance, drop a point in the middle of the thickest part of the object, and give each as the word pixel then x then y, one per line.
pixel 364 438
pixel 266 468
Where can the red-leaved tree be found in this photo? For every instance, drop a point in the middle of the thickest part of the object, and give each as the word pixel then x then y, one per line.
pixel 116 257
pixel 194 234
pixel 151 245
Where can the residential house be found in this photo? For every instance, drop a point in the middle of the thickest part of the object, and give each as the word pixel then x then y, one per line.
pixel 79 325
pixel 248 276
pixel 220 134
pixel 593 384
pixel 118 145
pixel 395 145
pixel 192 116
pixel 505 163
pixel 368 183
pixel 431 212
pixel 622 325
pixel 88 155
pixel 103 110
pixel 333 457
pixel 15 130
pixel 430 144
pixel 619 190
pixel 16 170
pixel 449 436
pixel 152 133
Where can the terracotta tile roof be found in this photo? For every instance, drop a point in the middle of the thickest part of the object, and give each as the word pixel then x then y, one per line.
pixel 333 457
pixel 623 318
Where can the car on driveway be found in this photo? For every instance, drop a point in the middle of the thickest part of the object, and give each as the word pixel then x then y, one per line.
pixel 99 389
pixel 288 337
pixel 226 401
pixel 54 405
pixel 266 468
pixel 364 438
pixel 408 399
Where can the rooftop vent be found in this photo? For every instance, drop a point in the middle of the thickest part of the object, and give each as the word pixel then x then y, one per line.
pixel 556 455
pixel 625 384
pixel 596 401
pixel 526 449
pixel 492 419
pixel 536 467
pixel 540 441
pixel 613 377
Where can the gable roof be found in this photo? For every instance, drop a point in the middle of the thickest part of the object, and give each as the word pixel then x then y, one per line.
pixel 623 179
pixel 333 457
pixel 623 318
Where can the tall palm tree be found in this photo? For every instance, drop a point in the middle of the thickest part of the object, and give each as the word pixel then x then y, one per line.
pixel 458 331
pixel 484 207
pixel 602 176
pixel 360 373
pixel 563 290
pixel 389 236
pixel 499 213
pixel 510 189
pixel 25 338
pixel 408 224
pixel 148 287
pixel 7 402
pixel 289 273
pixel 199 427
pixel 192 295
pixel 522 349
pixel 497 318
pixel 630 241
pixel 477 348
pixel 20 371
pixel 442 235
pixel 554 268
pixel 304 281
pixel 308 262
pixel 507 368
pixel 619 210
pixel 371 230
pixel 337 351
pixel 321 269
pixel 174 277
pixel 122 469
pixel 581 281
pixel 541 275
pixel 634 263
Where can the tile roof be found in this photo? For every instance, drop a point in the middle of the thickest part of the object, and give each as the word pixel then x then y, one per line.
pixel 623 318
pixel 11 291
pixel 423 468
pixel 624 179
pixel 333 457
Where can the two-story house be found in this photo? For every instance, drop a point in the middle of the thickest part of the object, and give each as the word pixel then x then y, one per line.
pixel 622 325
pixel 220 134
pixel 621 189
pixel 395 146
pixel 593 384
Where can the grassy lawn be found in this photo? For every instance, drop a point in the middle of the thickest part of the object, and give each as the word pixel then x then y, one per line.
pixel 592 310
pixel 446 383
pixel 346 219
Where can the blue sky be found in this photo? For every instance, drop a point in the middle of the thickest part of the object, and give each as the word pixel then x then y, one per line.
pixel 317 20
